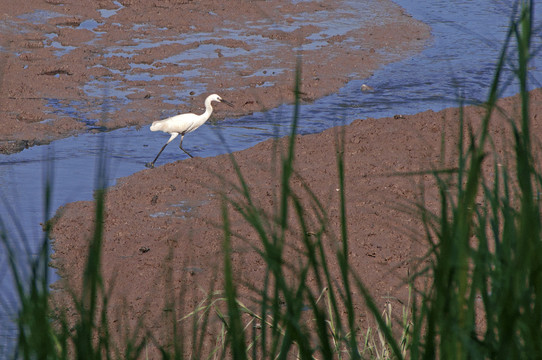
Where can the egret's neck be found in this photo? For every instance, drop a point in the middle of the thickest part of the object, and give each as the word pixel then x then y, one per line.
pixel 208 108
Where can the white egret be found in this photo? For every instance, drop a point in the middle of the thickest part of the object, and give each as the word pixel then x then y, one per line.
pixel 183 124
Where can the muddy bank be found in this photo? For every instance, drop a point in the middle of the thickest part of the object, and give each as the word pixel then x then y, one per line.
pixel 68 67
pixel 163 219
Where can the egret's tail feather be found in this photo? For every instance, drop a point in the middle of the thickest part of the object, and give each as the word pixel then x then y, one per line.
pixel 156 126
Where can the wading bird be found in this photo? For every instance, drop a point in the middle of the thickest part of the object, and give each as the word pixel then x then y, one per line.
pixel 183 124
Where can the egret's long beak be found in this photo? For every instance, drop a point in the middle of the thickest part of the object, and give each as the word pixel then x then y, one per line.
pixel 226 102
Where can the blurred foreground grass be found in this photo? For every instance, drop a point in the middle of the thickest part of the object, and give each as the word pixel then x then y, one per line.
pixel 484 299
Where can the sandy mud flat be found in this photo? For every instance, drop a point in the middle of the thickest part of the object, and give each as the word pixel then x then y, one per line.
pixel 73 66
pixel 168 212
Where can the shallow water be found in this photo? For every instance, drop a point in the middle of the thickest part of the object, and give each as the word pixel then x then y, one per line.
pixel 459 62
pixel 202 46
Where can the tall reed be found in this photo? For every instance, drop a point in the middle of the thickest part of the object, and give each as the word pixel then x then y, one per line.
pixel 484 300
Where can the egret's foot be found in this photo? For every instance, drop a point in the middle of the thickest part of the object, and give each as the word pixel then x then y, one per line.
pixel 186 152
pixel 150 165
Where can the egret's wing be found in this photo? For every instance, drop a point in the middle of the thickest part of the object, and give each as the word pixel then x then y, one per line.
pixel 194 122
pixel 178 123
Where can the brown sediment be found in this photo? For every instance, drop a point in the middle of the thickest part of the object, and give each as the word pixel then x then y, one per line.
pixel 164 219
pixel 53 50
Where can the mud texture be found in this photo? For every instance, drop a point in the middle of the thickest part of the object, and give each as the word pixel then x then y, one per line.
pixel 164 220
pixel 72 66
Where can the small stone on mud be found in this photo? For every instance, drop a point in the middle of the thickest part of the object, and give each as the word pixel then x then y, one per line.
pixel 144 249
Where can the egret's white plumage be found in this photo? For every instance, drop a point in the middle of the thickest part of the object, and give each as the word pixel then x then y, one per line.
pixel 183 124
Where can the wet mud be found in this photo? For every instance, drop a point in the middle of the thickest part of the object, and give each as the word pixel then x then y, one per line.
pixel 69 67
pixel 163 220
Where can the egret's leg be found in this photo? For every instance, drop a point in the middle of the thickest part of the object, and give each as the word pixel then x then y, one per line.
pixel 151 164
pixel 181 147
